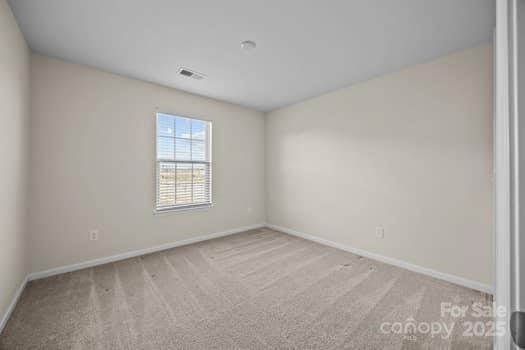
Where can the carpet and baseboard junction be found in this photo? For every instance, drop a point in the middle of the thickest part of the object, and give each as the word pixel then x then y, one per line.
pixel 258 289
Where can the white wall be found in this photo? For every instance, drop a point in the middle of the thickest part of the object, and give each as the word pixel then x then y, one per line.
pixel 410 151
pixel 93 149
pixel 14 154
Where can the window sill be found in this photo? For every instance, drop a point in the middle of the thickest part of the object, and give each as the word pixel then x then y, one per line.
pixel 181 209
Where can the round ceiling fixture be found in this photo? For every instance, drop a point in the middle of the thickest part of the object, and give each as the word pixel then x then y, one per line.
pixel 248 45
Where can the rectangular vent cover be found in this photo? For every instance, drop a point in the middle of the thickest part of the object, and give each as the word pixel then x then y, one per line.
pixel 191 74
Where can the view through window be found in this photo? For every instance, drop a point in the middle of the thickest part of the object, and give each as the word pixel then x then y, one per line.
pixel 183 162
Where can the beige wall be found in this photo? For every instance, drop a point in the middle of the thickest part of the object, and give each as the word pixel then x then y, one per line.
pixel 410 151
pixel 14 138
pixel 93 152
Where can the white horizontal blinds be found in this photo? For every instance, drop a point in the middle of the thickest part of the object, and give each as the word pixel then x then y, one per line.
pixel 183 162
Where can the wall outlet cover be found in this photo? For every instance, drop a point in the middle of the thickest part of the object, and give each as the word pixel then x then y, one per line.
pixel 93 235
pixel 380 232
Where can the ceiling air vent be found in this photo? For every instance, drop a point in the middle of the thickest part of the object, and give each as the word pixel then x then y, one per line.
pixel 191 74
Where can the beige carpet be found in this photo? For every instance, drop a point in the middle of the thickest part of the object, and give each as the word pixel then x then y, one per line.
pixel 255 290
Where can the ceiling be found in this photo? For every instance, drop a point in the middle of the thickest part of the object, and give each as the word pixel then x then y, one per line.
pixel 304 47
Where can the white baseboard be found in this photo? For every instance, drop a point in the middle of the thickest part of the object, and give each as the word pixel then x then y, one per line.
pixel 11 307
pixel 100 261
pixel 131 254
pixel 485 288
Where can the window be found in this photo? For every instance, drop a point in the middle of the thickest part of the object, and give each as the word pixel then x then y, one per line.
pixel 183 163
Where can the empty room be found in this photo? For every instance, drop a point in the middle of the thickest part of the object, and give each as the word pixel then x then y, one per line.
pixel 252 175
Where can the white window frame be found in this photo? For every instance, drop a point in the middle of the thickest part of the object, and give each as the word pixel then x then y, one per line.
pixel 183 207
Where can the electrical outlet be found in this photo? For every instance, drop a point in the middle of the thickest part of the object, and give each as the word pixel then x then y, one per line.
pixel 93 235
pixel 380 232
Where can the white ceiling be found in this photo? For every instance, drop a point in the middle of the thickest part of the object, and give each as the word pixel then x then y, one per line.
pixel 304 47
